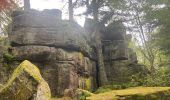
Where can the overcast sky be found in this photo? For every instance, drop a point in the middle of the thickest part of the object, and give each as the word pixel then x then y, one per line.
pixel 57 4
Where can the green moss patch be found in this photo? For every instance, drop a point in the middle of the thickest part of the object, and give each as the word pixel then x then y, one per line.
pixel 138 93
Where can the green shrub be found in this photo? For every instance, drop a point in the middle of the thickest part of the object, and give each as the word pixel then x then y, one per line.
pixel 160 78
pixel 83 94
pixel 8 58
pixel 103 89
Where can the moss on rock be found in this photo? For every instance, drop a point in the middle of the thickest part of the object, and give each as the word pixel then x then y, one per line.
pixel 88 84
pixel 26 82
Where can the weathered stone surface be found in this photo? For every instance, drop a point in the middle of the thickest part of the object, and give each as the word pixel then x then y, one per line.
pixel 88 80
pixel 115 50
pixel 45 29
pixel 42 36
pixel 120 61
pixel 68 71
pixel 114 31
pixel 89 26
pixel 25 83
pixel 66 35
pixel 50 74
pixel 35 53
pixel 68 78
pixel 60 68
pixel 33 18
pixel 60 76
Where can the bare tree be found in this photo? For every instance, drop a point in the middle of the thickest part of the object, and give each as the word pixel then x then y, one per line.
pixel 70 7
pixel 26 4
pixel 147 50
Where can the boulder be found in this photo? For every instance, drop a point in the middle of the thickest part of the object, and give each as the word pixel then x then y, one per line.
pixel 26 83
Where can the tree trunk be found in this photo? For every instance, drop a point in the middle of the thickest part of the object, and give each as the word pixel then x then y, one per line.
pixel 102 73
pixel 70 7
pixel 152 66
pixel 26 5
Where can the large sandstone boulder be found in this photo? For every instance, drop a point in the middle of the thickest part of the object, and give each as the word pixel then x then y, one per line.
pixel 26 83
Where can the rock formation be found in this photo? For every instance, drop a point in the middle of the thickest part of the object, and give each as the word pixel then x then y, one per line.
pixel 64 51
pixel 60 48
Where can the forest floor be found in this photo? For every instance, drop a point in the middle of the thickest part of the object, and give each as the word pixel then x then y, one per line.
pixel 137 93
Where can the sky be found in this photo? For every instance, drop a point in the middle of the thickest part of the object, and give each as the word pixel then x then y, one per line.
pixel 58 4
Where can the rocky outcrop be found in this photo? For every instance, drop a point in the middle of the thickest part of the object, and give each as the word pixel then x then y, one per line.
pixel 35 53
pixel 120 60
pixel 70 70
pixel 26 83
pixel 45 29
pixel 60 48
pixel 33 18
pixel 64 51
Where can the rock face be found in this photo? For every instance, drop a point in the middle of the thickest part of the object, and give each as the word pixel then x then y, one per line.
pixel 45 29
pixel 120 60
pixel 26 83
pixel 118 57
pixel 62 49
